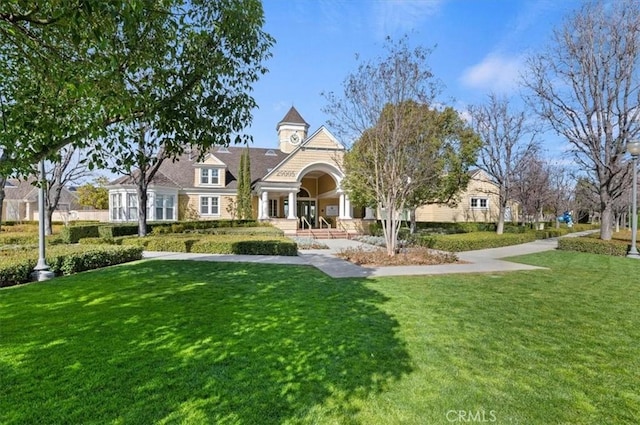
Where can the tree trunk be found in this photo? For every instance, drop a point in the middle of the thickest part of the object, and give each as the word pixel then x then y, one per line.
pixel 412 221
pixel 606 216
pixel 142 209
pixel 3 181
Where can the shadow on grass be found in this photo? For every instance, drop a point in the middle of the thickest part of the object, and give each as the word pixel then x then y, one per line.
pixel 193 342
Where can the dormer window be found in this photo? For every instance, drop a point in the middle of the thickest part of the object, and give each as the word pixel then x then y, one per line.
pixel 209 176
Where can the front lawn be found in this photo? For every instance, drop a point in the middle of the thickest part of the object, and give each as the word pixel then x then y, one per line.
pixel 199 342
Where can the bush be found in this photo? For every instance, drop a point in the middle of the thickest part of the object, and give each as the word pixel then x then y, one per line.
pixel 267 247
pixel 115 230
pixel 473 241
pixel 65 260
pixel 72 234
pixel 594 246
pixel 235 245
pixel 19 238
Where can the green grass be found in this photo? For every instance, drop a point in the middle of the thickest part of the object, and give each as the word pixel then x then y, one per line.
pixel 197 343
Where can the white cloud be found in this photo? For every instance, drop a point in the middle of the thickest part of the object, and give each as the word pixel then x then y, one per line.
pixel 496 73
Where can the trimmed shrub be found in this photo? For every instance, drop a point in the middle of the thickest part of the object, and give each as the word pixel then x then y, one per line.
pixel 72 234
pixel 99 241
pixel 270 247
pixel 594 246
pixel 476 240
pixel 19 238
pixel 244 245
pixel 17 268
pixel 115 230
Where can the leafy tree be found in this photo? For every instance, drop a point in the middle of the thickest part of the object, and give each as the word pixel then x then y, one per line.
pixel 426 162
pixel 586 85
pixel 93 73
pixel 192 90
pixel 507 142
pixel 95 194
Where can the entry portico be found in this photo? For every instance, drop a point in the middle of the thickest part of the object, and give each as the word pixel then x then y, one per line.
pixel 306 185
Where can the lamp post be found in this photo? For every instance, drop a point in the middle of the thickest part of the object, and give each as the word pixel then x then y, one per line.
pixel 41 270
pixel 633 148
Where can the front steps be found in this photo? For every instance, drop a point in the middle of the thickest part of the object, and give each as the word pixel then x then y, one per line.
pixel 322 234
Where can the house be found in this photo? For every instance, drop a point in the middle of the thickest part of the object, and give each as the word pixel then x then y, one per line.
pixel 478 203
pixel 21 202
pixel 297 185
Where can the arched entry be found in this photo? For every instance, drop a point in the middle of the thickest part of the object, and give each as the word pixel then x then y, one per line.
pixel 320 201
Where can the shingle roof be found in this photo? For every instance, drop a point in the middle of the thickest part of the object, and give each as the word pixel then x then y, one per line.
pixel 19 189
pixel 293 117
pixel 25 190
pixel 180 173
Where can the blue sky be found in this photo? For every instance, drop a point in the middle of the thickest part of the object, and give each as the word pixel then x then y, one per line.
pixel 480 47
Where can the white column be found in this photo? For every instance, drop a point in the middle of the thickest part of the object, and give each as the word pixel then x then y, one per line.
pixel 265 205
pixel 292 206
pixel 347 208
pixel 368 214
pixel 341 206
pixel 260 206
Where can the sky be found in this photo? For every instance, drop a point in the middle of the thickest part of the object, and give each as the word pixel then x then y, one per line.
pixel 480 47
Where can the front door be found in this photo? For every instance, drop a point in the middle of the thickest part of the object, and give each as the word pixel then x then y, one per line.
pixel 307 209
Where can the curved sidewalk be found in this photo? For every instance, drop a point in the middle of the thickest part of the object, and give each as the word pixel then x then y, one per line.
pixel 480 261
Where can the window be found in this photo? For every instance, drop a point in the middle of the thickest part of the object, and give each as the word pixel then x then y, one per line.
pixel 479 203
pixel 273 208
pixel 116 206
pixel 164 207
pixel 132 206
pixel 210 205
pixel 209 176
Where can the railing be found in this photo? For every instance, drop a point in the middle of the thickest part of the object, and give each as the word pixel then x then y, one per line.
pixel 304 220
pixel 323 220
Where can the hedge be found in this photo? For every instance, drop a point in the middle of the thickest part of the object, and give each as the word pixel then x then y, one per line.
pixel 115 230
pixel 218 244
pixel 472 241
pixel 64 260
pixel 72 234
pixel 595 246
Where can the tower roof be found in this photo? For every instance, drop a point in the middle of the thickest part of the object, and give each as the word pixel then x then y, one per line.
pixel 293 117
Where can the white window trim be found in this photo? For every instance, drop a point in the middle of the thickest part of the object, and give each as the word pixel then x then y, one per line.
pixel 164 196
pixel 210 171
pixel 479 207
pixel 210 204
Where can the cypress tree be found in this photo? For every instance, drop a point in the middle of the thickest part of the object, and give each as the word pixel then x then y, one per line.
pixel 245 210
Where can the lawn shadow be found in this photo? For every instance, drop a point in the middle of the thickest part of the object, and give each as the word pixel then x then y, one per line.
pixel 197 342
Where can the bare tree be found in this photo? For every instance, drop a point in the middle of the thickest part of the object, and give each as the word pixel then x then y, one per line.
pixel 68 168
pixel 562 186
pixel 507 142
pixel 586 85
pixel 406 153
pixel 532 187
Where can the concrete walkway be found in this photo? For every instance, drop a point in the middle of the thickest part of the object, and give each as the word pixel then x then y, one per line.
pixel 480 261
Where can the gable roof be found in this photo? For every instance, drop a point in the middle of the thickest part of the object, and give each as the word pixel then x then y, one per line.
pixel 19 189
pixel 180 173
pixel 24 190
